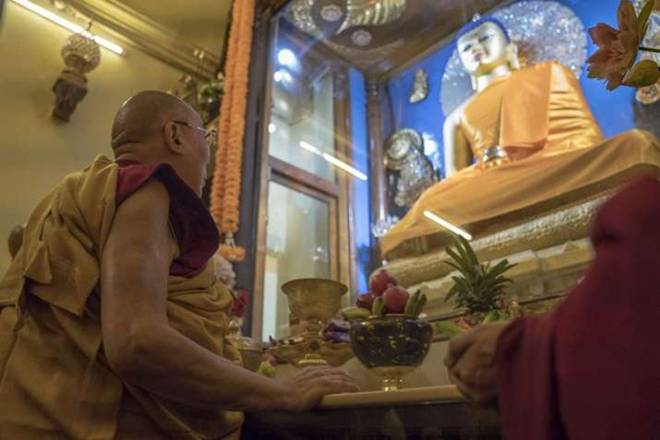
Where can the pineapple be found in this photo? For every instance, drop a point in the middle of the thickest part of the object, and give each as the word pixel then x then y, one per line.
pixel 479 288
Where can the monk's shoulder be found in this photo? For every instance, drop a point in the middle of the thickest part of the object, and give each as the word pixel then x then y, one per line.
pixel 150 199
pixel 93 183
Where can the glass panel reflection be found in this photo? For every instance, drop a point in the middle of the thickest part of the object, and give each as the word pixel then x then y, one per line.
pixel 302 111
pixel 298 243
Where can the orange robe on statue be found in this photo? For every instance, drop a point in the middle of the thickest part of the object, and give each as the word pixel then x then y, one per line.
pixel 54 379
pixel 539 115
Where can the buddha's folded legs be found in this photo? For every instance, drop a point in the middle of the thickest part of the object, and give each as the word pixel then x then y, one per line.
pixel 512 193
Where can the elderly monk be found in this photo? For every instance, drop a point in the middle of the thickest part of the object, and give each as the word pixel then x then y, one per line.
pixel 112 323
pixel 590 369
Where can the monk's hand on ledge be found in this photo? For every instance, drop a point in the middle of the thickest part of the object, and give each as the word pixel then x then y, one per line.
pixel 307 388
pixel 471 362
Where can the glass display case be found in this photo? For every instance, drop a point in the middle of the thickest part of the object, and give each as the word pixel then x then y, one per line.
pixel 353 97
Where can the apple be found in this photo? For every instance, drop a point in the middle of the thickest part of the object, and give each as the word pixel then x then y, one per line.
pixel 381 281
pixel 395 299
pixel 365 300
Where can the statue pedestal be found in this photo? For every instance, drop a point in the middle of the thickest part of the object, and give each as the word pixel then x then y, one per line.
pixel 551 252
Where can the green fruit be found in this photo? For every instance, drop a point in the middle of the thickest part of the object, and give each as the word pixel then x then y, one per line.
pixel 378 307
pixel 351 313
pixel 266 369
pixel 412 303
pixel 490 317
pixel 419 307
pixel 447 328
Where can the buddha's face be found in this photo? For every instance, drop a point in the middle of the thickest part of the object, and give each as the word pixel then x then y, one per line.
pixel 483 49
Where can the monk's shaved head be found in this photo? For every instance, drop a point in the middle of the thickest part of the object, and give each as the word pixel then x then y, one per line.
pixel 158 128
pixel 143 115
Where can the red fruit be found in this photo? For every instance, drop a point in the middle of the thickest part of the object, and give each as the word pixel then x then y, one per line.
pixel 365 300
pixel 380 282
pixel 395 299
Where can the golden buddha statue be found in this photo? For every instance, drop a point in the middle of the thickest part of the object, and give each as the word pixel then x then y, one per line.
pixel 523 145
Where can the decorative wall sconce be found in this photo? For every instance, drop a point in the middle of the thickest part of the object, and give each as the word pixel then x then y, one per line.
pixel 81 55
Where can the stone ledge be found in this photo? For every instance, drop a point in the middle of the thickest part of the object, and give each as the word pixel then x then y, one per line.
pixel 551 271
pixel 563 226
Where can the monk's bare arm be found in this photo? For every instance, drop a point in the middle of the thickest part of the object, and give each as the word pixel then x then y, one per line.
pixel 145 351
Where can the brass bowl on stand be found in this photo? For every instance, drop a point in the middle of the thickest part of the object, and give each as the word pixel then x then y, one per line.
pixel 312 303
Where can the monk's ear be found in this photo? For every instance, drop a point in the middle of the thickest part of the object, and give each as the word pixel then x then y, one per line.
pixel 173 137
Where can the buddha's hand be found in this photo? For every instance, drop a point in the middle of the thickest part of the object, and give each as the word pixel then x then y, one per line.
pixel 306 389
pixel 471 362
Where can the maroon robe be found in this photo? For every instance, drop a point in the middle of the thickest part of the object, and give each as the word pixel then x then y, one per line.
pixel 590 369
pixel 192 225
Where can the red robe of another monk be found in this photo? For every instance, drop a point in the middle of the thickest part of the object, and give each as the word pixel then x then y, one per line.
pixel 590 369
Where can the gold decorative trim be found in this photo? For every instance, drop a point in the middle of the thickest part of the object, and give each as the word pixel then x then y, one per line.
pixel 408 396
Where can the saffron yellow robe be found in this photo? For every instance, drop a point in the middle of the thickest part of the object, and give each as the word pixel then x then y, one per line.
pixel 55 381
pixel 540 116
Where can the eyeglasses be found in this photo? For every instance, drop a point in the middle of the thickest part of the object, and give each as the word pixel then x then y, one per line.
pixel 209 135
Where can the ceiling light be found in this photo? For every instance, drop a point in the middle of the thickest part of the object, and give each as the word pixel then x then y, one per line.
pixel 286 57
pixel 309 147
pixel 333 160
pixel 282 75
pixel 344 166
pixel 45 13
pixel 445 224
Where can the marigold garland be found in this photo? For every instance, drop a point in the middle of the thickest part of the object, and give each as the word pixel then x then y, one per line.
pixel 226 189
pixel 219 174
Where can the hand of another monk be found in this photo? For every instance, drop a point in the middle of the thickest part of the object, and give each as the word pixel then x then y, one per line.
pixel 308 386
pixel 471 362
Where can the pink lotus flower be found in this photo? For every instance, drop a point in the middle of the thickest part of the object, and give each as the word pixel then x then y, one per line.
pixel 617 48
